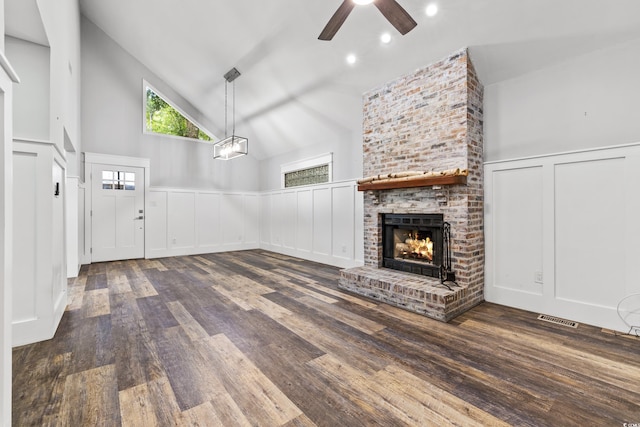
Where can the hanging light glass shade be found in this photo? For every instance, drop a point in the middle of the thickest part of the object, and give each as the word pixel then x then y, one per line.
pixel 230 147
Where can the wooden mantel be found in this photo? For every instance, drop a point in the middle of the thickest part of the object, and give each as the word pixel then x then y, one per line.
pixel 421 182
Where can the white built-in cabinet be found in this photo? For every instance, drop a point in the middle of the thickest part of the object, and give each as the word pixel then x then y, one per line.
pixel 39 259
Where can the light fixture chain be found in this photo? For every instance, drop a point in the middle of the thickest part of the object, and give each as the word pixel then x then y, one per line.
pixel 225 108
pixel 231 146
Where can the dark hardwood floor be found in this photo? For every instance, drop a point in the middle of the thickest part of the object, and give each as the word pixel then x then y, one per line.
pixel 257 338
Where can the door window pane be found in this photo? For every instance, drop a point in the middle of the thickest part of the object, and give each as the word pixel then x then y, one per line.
pixel 118 180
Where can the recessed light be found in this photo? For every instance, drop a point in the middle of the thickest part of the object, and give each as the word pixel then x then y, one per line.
pixel 432 9
pixel 362 1
pixel 385 38
pixel 351 59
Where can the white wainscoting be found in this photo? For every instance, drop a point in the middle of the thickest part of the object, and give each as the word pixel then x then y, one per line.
pixel 72 238
pixel 8 77
pixel 322 223
pixel 39 228
pixel 187 222
pixel 562 233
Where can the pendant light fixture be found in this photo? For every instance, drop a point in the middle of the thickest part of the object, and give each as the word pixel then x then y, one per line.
pixel 231 146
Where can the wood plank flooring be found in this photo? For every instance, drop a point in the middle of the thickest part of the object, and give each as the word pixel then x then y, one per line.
pixel 255 338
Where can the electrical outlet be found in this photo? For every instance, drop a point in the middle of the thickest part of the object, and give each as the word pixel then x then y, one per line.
pixel 537 277
pixel 174 240
pixel 344 249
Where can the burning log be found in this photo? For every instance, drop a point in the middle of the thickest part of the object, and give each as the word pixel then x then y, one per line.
pixel 415 247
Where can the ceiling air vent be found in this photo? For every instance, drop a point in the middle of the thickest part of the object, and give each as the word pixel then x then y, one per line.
pixel 558 321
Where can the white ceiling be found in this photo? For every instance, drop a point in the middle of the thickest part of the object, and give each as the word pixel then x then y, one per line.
pixel 296 90
pixel 22 20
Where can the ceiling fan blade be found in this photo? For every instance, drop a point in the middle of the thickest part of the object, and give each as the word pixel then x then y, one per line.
pixel 395 14
pixel 337 20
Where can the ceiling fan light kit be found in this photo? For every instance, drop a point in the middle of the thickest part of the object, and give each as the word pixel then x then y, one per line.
pixel 231 146
pixel 395 14
pixel 431 10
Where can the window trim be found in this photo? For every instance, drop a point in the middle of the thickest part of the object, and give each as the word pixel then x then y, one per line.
pixel 145 85
pixel 311 162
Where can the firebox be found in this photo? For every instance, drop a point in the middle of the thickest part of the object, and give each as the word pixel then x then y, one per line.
pixel 414 243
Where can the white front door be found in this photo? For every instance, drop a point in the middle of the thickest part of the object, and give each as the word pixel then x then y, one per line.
pixel 117 212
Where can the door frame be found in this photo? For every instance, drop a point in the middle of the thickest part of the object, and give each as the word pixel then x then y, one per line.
pixel 108 159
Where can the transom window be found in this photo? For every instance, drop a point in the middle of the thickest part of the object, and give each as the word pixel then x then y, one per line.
pixel 315 175
pixel 164 117
pixel 117 180
pixel 316 170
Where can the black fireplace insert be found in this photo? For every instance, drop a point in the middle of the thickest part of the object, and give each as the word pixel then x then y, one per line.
pixel 416 243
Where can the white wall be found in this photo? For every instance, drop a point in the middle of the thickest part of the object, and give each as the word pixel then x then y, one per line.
pixel 322 223
pixel 347 160
pixel 7 78
pixel 585 102
pixel 112 117
pixel 2 26
pixel 550 221
pixel 31 97
pixel 61 20
pixel 72 211
pixel 188 222
pixel 561 233
pixel 54 82
pixel 6 260
pixel 39 264
pixel 47 111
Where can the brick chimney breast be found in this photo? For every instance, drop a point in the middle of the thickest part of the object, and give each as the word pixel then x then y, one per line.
pixel 430 120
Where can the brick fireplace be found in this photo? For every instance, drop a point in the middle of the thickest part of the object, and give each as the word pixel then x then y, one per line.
pixel 430 120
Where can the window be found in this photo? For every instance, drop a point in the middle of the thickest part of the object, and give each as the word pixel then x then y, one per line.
pixel 316 170
pixel 117 180
pixel 315 175
pixel 161 116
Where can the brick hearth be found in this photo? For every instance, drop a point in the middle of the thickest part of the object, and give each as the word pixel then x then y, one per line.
pixel 430 120
pixel 415 293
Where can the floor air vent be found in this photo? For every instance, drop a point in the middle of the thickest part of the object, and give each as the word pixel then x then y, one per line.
pixel 558 321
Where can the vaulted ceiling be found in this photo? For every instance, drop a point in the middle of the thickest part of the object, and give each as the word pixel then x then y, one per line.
pixel 296 90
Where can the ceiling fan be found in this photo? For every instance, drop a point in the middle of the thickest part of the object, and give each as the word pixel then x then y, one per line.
pixel 395 14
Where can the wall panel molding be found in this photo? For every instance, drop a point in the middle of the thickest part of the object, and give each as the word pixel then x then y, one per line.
pixel 561 233
pixel 39 229
pixel 189 222
pixel 321 223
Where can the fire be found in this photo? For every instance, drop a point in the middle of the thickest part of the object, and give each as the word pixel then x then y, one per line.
pixel 415 248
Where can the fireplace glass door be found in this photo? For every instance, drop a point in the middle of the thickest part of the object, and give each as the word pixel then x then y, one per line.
pixel 413 243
